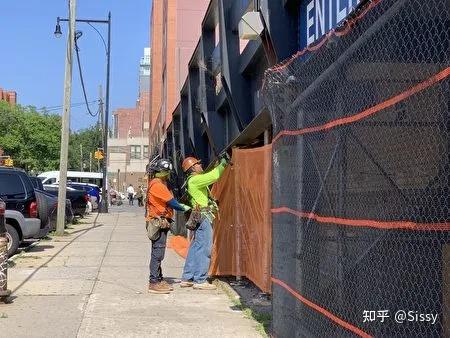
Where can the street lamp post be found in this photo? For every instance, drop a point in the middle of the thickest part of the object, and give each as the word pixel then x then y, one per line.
pixel 104 204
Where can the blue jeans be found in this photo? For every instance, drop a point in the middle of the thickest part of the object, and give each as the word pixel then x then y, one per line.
pixel 199 256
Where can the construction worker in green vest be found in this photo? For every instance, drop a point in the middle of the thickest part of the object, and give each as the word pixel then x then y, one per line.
pixel 196 267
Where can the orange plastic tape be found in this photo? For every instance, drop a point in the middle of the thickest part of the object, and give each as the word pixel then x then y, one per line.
pixel 408 225
pixel 370 111
pixel 321 310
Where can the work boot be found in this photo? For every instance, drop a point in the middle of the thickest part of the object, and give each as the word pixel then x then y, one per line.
pixel 204 286
pixel 186 284
pixel 167 284
pixel 158 288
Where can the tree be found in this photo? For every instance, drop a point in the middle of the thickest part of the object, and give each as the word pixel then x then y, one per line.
pixel 30 138
pixel 90 139
pixel 33 139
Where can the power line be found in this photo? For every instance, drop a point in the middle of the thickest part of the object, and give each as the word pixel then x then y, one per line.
pixel 53 108
pixel 82 80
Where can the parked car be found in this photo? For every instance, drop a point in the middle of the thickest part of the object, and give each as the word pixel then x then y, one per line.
pixel 36 182
pixel 23 212
pixel 51 203
pixel 92 190
pixel 78 198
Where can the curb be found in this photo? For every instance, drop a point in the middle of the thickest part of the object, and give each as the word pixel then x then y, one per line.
pixel 227 289
pixel 28 248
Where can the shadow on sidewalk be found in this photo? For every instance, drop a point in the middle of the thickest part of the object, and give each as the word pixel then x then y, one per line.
pixel 12 297
pixel 40 248
pixel 81 230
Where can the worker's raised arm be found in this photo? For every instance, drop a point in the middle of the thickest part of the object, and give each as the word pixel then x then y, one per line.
pixel 206 179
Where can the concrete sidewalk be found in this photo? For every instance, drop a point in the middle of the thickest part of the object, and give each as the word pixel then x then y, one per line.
pixel 93 283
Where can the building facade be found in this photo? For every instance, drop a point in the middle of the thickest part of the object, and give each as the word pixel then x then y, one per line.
pixel 223 82
pixel 128 149
pixel 175 31
pixel 8 96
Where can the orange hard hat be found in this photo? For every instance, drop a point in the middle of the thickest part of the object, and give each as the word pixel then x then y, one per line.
pixel 189 162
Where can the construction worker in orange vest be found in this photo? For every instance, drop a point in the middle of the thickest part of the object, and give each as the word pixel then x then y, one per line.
pixel 160 206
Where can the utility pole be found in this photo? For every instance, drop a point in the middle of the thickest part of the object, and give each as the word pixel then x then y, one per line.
pixel 104 204
pixel 81 157
pixel 65 130
pixel 90 162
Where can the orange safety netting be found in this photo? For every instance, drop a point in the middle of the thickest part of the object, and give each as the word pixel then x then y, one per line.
pixel 243 230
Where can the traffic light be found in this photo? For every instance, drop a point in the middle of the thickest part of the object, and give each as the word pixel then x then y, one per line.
pixel 9 162
pixel 98 155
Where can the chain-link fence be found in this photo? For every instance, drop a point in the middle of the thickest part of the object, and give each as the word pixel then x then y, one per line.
pixel 361 221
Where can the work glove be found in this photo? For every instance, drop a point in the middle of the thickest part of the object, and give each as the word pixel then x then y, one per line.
pixel 225 159
pixel 186 207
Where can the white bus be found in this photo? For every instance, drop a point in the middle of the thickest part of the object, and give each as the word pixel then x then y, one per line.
pixel 52 177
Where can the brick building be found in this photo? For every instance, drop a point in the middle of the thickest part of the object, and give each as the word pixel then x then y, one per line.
pixel 8 96
pixel 176 27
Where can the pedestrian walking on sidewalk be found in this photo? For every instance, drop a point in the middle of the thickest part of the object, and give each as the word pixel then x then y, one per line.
pixel 196 267
pixel 130 192
pixel 160 206
pixel 140 196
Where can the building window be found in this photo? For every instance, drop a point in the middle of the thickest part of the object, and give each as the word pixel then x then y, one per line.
pixel 145 151
pixel 135 152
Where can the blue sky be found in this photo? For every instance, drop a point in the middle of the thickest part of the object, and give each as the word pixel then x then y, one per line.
pixel 32 59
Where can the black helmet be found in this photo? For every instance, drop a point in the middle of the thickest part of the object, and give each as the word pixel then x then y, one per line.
pixel 160 165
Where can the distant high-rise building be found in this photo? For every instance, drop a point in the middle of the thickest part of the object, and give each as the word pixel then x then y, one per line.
pixel 144 71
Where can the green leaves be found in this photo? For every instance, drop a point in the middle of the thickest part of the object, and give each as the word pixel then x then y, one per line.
pixel 90 141
pixel 33 139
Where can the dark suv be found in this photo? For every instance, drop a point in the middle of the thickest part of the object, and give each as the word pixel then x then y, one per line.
pixel 22 209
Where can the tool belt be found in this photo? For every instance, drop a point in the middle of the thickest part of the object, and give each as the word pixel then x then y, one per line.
pixel 197 216
pixel 155 225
